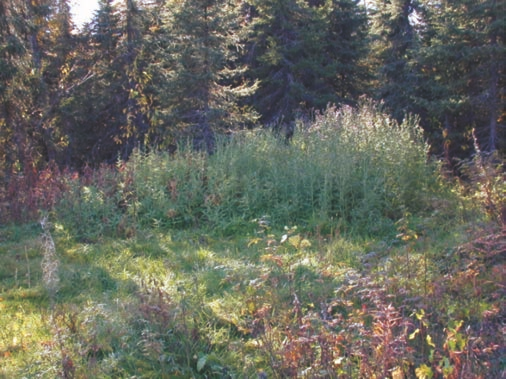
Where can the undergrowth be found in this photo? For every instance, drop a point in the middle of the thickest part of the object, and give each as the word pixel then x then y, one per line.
pixel 279 303
pixel 349 171
pixel 340 255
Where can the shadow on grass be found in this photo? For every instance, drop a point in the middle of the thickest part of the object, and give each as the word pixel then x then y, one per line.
pixel 40 330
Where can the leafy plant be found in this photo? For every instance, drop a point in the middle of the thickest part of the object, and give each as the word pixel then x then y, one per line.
pixel 485 181
pixel 189 265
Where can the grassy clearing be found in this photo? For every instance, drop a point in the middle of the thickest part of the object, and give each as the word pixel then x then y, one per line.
pixel 342 255
pixel 168 305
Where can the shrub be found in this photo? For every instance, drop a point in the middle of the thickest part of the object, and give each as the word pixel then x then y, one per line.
pixel 485 182
pixel 353 170
pixel 349 168
pixel 89 208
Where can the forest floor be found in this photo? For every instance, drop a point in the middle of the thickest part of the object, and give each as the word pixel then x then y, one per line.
pixel 275 303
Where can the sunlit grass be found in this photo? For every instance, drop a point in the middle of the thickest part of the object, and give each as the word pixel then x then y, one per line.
pixel 329 257
pixel 225 304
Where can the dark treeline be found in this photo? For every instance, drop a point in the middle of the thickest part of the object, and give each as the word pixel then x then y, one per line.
pixel 150 73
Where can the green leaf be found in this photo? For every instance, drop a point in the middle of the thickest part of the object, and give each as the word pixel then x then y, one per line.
pixel 201 363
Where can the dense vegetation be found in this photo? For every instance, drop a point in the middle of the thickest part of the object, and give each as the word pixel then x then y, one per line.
pixel 151 74
pixel 344 254
pixel 271 189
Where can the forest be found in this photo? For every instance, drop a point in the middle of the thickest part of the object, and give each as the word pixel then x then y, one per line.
pixel 253 189
pixel 152 74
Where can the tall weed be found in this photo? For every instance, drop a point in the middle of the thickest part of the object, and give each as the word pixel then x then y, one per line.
pixel 355 169
pixel 485 182
pixel 89 206
pixel 350 170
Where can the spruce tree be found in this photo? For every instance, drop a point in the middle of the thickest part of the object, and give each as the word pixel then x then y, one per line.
pixel 346 48
pixel 306 54
pixel 109 104
pixel 58 52
pixel 463 64
pixel 134 64
pixel 95 105
pixel 31 33
pixel 286 35
pixel 395 41
pixel 206 80
pixel 13 51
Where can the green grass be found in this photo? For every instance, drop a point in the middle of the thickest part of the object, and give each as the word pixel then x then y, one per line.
pixel 176 305
pixel 341 255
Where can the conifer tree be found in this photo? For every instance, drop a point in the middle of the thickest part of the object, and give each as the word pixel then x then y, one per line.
pixel 32 66
pixel 109 104
pixel 132 60
pixel 395 41
pixel 12 52
pixel 94 106
pixel 286 35
pixel 58 50
pixel 463 65
pixel 206 79
pixel 306 55
pixel 346 48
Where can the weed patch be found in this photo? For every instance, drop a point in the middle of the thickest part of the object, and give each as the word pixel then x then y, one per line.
pixel 340 255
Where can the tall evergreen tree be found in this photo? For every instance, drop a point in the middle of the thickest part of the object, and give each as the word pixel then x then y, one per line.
pixel 395 42
pixel 32 63
pixel 93 107
pixel 463 70
pixel 206 80
pixel 280 56
pixel 57 52
pixel 109 105
pixel 136 107
pixel 13 51
pixel 346 48
pixel 306 54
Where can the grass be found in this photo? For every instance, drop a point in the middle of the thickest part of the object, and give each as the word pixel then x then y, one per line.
pixel 342 255
pixel 277 302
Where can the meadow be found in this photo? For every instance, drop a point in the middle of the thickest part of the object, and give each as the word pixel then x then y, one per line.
pixel 347 253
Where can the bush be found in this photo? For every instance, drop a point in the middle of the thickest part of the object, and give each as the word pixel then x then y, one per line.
pixel 354 170
pixel 89 208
